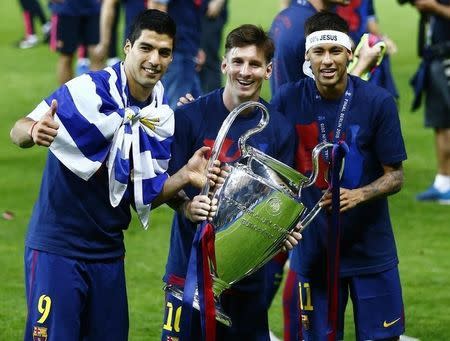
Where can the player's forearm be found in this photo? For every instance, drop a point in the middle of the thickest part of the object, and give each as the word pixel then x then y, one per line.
pixel 179 201
pixel 20 133
pixel 373 27
pixel 389 183
pixel 368 57
pixel 359 69
pixel 172 187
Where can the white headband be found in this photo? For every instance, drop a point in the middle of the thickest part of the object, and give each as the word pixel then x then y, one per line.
pixel 328 36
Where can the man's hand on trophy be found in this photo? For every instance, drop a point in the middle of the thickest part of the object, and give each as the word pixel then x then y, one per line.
pixel 293 238
pixel 195 169
pixel 349 198
pixel 219 178
pixel 200 208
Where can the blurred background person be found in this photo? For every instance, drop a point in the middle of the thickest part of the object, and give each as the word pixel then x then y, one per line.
pixel 32 9
pixel 109 18
pixel 74 23
pixel 433 78
pixel 361 17
pixel 182 77
pixel 212 30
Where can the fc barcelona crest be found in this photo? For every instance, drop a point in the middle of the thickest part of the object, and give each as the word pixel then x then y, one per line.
pixel 305 322
pixel 39 333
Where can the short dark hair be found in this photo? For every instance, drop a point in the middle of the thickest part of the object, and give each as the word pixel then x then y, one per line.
pixel 325 21
pixel 248 34
pixel 153 20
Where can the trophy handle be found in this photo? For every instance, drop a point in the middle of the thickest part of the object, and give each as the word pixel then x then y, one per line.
pixel 315 164
pixel 312 179
pixel 261 125
pixel 312 213
pixel 242 140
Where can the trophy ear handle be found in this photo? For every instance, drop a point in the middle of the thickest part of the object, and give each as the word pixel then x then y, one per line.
pixel 307 219
pixel 242 140
pixel 315 164
pixel 261 125
pixel 312 179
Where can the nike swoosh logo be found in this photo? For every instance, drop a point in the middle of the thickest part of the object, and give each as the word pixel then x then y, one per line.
pixel 388 324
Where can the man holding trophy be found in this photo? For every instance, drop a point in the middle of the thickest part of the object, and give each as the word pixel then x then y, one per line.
pixel 247 63
pixel 334 106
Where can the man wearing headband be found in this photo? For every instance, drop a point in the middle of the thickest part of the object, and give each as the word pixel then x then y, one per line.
pixel 288 61
pixel 336 107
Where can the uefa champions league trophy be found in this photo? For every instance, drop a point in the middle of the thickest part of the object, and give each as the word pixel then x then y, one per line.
pixel 259 204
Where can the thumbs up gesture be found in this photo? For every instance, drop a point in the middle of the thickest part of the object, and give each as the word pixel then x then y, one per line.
pixel 44 131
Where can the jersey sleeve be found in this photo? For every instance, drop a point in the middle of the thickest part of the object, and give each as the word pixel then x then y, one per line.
pixel 389 144
pixel 182 142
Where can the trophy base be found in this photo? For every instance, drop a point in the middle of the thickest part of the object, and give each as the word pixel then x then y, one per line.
pixel 220 314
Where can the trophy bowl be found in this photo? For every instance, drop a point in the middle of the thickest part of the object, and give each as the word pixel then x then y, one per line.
pixel 259 205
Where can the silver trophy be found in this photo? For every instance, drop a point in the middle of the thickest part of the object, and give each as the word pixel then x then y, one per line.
pixel 259 204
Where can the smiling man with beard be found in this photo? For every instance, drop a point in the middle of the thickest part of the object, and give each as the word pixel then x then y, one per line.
pixel 337 107
pixel 246 65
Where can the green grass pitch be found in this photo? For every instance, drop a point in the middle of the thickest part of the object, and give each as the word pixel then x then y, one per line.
pixel 422 230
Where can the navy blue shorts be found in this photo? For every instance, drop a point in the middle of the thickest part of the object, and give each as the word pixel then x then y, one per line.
pixel 70 299
pixel 274 274
pixel 377 306
pixel 291 312
pixel 72 31
pixel 245 303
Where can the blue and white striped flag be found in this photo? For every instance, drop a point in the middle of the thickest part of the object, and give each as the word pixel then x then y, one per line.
pixel 97 125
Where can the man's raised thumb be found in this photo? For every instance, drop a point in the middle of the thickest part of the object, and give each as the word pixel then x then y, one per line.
pixel 53 108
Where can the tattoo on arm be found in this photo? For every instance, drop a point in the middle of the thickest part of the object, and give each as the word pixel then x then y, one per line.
pixel 389 183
